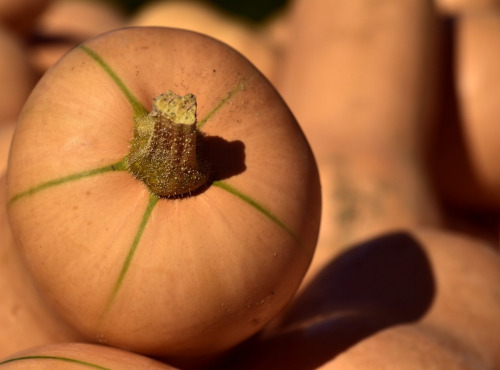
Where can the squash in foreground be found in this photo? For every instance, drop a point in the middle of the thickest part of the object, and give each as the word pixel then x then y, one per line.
pixel 165 198
pixel 79 356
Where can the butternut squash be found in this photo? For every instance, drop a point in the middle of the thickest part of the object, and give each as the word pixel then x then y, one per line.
pixel 69 356
pixel 363 78
pixel 477 81
pixel 176 233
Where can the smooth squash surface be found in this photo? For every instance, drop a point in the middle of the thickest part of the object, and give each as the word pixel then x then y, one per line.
pixel 68 356
pixel 183 276
pixel 25 318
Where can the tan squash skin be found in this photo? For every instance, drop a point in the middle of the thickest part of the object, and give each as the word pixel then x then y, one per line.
pixel 25 318
pixel 420 298
pixel 356 74
pixel 67 23
pixel 408 347
pixel 15 73
pixel 210 270
pixel 69 356
pixel 477 80
pixel 201 17
pixel 467 305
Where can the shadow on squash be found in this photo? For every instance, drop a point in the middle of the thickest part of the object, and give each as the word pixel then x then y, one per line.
pixel 383 282
pixel 224 158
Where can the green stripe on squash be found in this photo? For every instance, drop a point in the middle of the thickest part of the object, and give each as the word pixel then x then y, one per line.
pixel 57 358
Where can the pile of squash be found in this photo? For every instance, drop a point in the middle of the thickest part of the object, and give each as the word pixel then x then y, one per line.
pixel 181 188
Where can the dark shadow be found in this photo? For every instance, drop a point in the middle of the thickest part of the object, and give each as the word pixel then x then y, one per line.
pixel 383 282
pixel 223 158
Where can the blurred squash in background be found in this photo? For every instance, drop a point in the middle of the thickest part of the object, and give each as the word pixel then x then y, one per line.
pixel 364 80
pixel 202 17
pixel 20 14
pixel 67 23
pixel 465 156
pixel 16 76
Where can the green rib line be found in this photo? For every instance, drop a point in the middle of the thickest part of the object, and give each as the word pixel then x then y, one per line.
pixel 118 166
pixel 137 107
pixel 252 202
pixel 65 359
pixel 222 102
pixel 153 200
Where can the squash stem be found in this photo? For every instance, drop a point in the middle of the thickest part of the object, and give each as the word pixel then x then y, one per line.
pixel 163 152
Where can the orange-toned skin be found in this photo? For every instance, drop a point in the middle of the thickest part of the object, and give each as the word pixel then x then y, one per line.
pixel 416 298
pixel 69 356
pixel 15 73
pixel 408 347
pixel 357 74
pixel 210 269
pixel 25 318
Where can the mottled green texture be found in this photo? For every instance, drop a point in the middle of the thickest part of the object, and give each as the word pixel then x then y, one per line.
pixel 163 151
pixel 57 358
